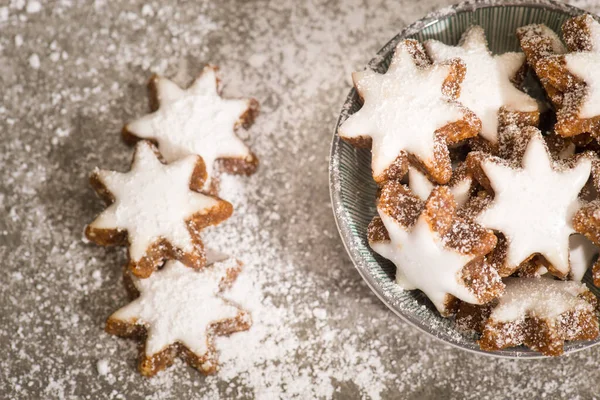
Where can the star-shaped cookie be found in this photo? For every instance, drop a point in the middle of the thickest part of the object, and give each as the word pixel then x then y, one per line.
pixel 534 201
pixel 581 106
pixel 433 249
pixel 410 113
pixel 157 209
pixel 576 76
pixel 197 121
pixel 179 311
pixel 488 86
pixel 540 313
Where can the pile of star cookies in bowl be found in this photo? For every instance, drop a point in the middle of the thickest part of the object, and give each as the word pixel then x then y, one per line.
pixel 488 197
pixel 158 210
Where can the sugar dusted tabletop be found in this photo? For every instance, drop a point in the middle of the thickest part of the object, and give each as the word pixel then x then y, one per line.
pixel 71 75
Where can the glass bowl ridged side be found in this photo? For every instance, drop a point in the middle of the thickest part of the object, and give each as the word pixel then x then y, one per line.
pixel 353 190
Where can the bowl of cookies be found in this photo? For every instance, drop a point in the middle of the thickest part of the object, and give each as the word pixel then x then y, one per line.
pixel 465 179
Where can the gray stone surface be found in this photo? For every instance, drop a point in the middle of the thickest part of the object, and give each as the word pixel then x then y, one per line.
pixel 71 73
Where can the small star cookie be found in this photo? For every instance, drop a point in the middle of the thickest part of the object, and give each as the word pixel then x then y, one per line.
pixel 575 75
pixel 410 113
pixel 534 201
pixel 197 121
pixel 434 250
pixel 489 85
pixel 540 313
pixel 156 209
pixel 179 311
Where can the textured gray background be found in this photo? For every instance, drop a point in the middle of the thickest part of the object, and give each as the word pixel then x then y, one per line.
pixel 71 73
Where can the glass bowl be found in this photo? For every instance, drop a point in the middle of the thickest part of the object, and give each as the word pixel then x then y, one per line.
pixel 353 190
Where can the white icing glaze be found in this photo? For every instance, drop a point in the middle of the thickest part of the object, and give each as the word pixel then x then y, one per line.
pixel 402 110
pixel 533 206
pixel 177 304
pixel 461 191
pixel 581 254
pixel 194 121
pixel 419 184
pixel 538 297
pixel 422 262
pixel 594 28
pixel 487 85
pixel 152 201
pixel 584 65
pixel 422 187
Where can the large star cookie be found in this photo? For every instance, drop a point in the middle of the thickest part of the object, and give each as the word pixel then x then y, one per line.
pixel 488 86
pixel 433 250
pixel 410 112
pixel 534 201
pixel 198 121
pixel 156 209
pixel 575 74
pixel 178 311
pixel 540 313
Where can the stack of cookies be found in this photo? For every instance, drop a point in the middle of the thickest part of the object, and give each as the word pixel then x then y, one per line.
pixel 158 210
pixel 493 217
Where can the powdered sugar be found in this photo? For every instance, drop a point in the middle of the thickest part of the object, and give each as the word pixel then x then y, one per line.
pixel 102 367
pixel 255 357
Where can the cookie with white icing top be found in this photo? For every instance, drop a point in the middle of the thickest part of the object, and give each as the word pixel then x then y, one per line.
pixel 513 143
pixel 489 84
pixel 576 75
pixel 532 201
pixel 540 313
pixel 434 250
pixel 156 209
pixel 178 311
pixel 410 113
pixel 197 120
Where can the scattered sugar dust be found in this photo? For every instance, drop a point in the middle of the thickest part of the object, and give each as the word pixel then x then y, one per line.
pixel 271 358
